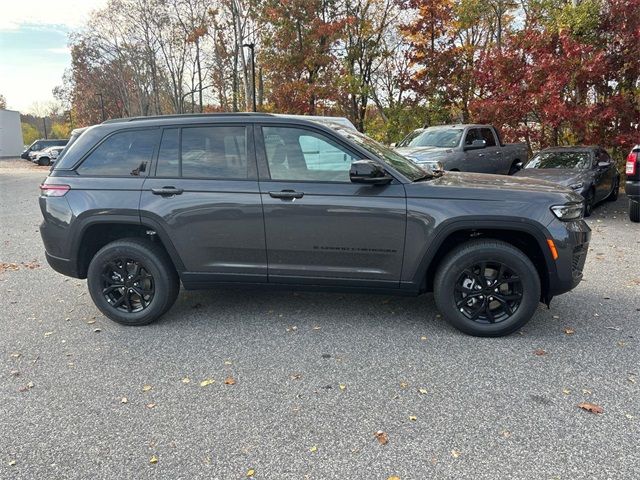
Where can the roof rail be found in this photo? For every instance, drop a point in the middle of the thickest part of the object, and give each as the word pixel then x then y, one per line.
pixel 188 115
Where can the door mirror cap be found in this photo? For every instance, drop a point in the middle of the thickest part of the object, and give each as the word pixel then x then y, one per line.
pixel 476 144
pixel 370 172
pixel 393 145
pixel 519 166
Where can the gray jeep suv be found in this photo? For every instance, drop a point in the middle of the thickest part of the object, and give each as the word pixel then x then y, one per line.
pixel 139 205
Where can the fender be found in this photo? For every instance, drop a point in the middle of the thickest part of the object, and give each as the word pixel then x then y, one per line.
pixel 448 227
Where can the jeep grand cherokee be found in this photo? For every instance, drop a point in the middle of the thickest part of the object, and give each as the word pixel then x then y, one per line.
pixel 138 206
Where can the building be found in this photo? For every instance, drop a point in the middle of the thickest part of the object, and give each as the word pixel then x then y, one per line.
pixel 11 144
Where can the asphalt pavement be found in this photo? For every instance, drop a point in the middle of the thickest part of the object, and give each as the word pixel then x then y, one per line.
pixel 236 384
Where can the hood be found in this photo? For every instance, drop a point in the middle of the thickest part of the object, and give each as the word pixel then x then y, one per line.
pixel 424 154
pixel 469 186
pixel 561 176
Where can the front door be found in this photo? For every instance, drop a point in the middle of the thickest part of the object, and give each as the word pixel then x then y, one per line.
pixel 321 228
pixel 205 195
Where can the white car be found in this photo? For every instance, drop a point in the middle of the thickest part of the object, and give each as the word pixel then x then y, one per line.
pixel 46 156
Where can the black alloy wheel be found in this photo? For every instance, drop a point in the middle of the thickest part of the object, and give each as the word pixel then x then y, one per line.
pixel 488 292
pixel 127 285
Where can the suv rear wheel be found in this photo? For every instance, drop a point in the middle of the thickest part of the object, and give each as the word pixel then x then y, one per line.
pixel 132 281
pixel 634 211
pixel 487 288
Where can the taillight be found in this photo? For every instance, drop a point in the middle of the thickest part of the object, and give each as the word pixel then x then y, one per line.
pixel 49 190
pixel 632 163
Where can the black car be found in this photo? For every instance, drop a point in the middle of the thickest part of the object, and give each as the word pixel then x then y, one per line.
pixel 589 171
pixel 41 144
pixel 632 186
pixel 140 206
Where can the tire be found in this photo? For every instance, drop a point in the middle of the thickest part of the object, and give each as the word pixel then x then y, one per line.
pixel 589 202
pixel 158 284
pixel 519 288
pixel 613 196
pixel 634 211
pixel 44 161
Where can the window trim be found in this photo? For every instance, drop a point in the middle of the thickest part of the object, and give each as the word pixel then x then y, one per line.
pixel 154 154
pixel 252 174
pixel 261 152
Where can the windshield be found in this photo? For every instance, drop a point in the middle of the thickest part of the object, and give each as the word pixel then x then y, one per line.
pixel 402 164
pixel 437 137
pixel 575 160
pixel 407 140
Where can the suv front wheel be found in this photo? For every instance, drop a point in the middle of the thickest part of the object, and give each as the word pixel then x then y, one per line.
pixel 132 281
pixel 487 288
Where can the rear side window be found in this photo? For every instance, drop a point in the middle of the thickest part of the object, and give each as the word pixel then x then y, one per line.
pixel 214 152
pixel 122 154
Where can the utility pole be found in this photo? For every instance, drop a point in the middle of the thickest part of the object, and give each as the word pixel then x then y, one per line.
pixel 101 105
pixel 44 124
pixel 252 47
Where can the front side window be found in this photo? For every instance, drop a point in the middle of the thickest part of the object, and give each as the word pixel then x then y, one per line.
pixel 472 135
pixel 122 154
pixel 303 155
pixel 214 152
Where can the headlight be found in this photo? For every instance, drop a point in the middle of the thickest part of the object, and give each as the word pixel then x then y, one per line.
pixel 576 186
pixel 569 211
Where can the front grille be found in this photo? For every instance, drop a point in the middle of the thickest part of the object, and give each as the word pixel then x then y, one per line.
pixel 578 259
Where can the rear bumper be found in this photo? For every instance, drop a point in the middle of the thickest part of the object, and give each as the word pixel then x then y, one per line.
pixel 62 265
pixel 632 189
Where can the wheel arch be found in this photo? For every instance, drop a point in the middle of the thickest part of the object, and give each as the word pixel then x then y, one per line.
pixel 95 232
pixel 528 236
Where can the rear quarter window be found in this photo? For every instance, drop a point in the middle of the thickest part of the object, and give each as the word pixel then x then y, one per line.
pixel 122 154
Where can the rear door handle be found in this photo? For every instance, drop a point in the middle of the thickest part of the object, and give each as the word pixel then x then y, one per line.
pixel 286 194
pixel 167 191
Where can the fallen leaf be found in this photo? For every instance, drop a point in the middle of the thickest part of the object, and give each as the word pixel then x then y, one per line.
pixel 186 380
pixel 90 322
pixel 630 379
pixel 146 388
pixel 591 407
pixel 342 386
pixel 423 391
pixel 539 352
pixel 206 382
pixel 413 418
pixel 569 331
pixel 382 437
pixel 455 453
pixel 151 405
pixel 404 384
pixel 313 449
pixel 423 338
pixel 251 472
pixel 316 328
pixel 393 477
pixel 566 391
pixel 229 381
pixel 16 355
pixel 48 334
pixel 586 391
pixel 16 373
pixel 228 362
pixel 124 400
pixel 629 416
pixel 153 459
pixel 505 433
pixel 11 463
pixel 296 376
pixel 97 330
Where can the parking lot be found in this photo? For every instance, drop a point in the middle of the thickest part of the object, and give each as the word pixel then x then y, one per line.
pixel 233 384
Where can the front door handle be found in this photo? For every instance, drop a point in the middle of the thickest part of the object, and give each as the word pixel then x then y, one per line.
pixel 481 154
pixel 286 194
pixel 167 191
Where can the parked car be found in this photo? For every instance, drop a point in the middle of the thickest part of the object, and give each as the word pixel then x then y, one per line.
pixel 41 144
pixel 589 171
pixel 139 206
pixel 47 156
pixel 632 185
pixel 464 148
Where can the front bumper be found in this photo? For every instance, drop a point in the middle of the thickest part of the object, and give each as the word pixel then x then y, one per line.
pixel 572 243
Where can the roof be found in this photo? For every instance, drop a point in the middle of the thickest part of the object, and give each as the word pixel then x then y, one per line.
pixel 460 125
pixel 568 148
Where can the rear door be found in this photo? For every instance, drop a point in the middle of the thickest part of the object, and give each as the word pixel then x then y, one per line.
pixel 321 228
pixel 204 194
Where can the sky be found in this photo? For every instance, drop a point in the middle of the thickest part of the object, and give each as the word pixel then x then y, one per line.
pixel 33 47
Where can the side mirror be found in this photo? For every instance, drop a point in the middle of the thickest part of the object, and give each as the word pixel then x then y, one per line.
pixel 368 171
pixel 393 145
pixel 519 166
pixel 603 165
pixel 476 145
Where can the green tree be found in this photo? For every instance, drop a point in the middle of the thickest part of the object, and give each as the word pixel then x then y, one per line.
pixel 29 133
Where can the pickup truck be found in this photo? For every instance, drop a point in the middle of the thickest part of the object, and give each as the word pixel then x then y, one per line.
pixel 463 148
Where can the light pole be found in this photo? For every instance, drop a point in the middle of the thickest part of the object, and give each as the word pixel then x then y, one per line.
pixel 101 105
pixel 252 47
